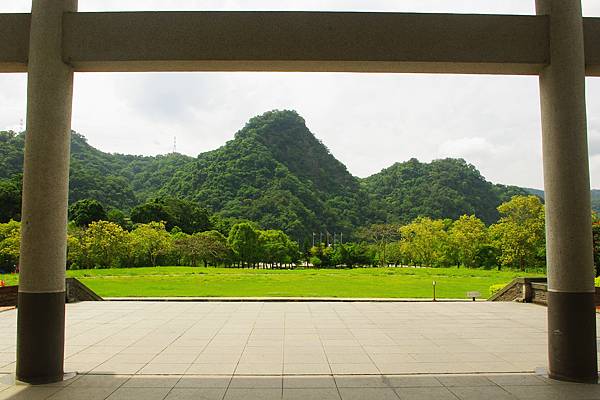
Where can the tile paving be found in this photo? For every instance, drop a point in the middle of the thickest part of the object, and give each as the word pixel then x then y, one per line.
pixel 298 350
pixel 338 387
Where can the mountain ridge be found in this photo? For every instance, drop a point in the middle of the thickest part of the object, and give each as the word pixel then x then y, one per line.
pixel 277 173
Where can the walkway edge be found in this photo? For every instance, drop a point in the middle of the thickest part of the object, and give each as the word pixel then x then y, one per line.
pixel 288 299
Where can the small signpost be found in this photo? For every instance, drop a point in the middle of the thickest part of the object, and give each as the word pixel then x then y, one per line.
pixel 473 295
pixel 433 290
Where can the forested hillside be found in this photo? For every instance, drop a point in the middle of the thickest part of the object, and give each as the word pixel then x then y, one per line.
pixel 274 172
pixel 445 188
pixel 116 180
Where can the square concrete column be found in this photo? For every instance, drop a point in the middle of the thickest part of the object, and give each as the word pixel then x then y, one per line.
pixel 41 304
pixel 571 309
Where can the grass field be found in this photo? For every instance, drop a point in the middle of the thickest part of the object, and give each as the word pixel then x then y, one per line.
pixel 223 282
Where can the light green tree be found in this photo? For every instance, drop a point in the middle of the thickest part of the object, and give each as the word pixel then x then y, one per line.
pixel 149 241
pixel 519 233
pixel 106 243
pixel 102 244
pixel 77 256
pixel 424 241
pixel 467 235
pixel 10 239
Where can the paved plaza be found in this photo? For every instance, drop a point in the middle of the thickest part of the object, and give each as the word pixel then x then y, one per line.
pixel 299 350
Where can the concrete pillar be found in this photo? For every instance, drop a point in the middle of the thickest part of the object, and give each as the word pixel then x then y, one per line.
pixel 41 310
pixel 571 311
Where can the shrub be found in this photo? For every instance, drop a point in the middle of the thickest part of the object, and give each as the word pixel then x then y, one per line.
pixel 496 288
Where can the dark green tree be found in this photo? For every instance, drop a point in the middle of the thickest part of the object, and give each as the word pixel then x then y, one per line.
pixel 277 248
pixel 120 218
pixel 10 199
pixel 152 212
pixel 243 240
pixel 187 215
pixel 84 212
pixel 359 254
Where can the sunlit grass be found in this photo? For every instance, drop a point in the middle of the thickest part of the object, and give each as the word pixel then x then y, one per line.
pixel 234 282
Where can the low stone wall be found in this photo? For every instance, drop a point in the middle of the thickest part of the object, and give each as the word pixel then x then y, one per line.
pixel 511 292
pixel 538 293
pixel 76 291
pixel 8 296
pixel 529 290
pixel 521 289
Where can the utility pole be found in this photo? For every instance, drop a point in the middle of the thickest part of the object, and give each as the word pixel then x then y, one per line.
pixel 341 238
pixel 313 239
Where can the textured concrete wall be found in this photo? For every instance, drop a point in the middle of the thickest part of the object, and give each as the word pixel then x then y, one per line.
pixel 298 41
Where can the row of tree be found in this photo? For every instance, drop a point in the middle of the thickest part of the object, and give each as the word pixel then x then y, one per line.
pixel 187 216
pixel 516 240
pixel 105 244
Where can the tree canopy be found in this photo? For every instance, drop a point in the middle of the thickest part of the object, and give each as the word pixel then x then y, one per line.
pixel 520 231
pixel 84 212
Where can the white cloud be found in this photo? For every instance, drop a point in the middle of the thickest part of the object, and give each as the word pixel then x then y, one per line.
pixel 469 147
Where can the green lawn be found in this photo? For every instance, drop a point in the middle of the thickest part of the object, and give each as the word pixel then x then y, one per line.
pixel 223 282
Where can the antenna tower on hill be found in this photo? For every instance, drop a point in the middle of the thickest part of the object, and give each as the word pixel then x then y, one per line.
pixel 174 144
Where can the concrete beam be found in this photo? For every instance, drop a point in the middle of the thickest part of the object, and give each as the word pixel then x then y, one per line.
pixel 298 41
pixel 306 41
pixel 14 42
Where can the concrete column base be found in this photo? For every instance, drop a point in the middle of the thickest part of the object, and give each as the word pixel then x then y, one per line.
pixel 572 337
pixel 41 338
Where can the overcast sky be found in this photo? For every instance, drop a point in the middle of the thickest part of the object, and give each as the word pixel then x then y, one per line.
pixel 368 121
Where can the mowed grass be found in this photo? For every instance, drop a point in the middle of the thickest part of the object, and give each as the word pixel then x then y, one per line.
pixel 234 282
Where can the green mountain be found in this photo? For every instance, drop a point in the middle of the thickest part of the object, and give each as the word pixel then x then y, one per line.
pixel 536 192
pixel 116 180
pixel 445 188
pixel 277 173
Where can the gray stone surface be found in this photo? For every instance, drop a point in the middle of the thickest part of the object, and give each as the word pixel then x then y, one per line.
pixel 320 350
pixel 315 338
pixel 451 387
